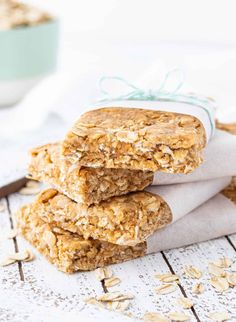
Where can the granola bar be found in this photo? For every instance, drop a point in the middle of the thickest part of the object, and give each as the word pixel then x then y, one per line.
pixel 137 139
pixel 84 185
pixel 124 220
pixel 68 251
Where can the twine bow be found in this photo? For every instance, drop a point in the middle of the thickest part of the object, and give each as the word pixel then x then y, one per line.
pixel 160 94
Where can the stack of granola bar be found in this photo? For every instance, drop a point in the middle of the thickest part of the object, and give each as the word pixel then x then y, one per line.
pixel 97 212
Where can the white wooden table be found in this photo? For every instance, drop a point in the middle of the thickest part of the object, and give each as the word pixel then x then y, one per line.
pixel 36 291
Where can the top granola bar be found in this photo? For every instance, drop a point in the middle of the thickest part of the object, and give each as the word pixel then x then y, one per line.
pixel 132 138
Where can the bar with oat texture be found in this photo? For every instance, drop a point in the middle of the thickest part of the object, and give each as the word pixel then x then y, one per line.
pixel 69 251
pixel 124 220
pixel 84 185
pixel 136 139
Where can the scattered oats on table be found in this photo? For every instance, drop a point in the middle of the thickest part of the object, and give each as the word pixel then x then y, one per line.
pixel 231 278
pixel 25 255
pixel 114 296
pixel 32 184
pixel 154 317
pixel 7 261
pixel 118 306
pixel 167 278
pixel 178 316
pixel 192 272
pixel 198 288
pixel 185 302
pixel 219 283
pixel 103 272
pixel 29 190
pixel 216 270
pixel 219 316
pixel 94 301
pixel 165 289
pixel 11 258
pixel 223 262
pixel 109 282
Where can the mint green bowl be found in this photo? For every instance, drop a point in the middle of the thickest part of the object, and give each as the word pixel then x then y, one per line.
pixel 27 54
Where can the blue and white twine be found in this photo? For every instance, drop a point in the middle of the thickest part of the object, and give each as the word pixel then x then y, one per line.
pixel 160 94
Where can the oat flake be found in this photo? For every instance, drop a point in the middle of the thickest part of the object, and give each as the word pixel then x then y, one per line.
pixel 223 262
pixel 192 272
pixel 165 289
pixel 231 278
pixel 32 184
pixel 29 191
pixel 219 283
pixel 198 288
pixel 103 272
pixel 219 316
pixel 7 261
pixel 118 306
pixel 114 296
pixel 167 278
pixel 109 282
pixel 179 316
pixel 216 270
pixel 154 317
pixel 185 302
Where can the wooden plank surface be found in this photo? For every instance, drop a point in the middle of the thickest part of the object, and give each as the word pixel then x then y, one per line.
pixel 200 255
pixel 232 240
pixel 43 282
pixel 30 291
pixel 138 278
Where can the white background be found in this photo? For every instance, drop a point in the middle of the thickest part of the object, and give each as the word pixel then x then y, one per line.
pixel 129 37
pixel 146 20
pixel 140 40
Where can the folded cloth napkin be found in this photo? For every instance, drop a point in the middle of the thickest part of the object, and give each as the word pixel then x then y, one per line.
pixel 219 161
pixel 183 198
pixel 215 218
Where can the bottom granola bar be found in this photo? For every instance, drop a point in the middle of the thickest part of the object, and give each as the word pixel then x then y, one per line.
pixel 71 253
pixel 68 251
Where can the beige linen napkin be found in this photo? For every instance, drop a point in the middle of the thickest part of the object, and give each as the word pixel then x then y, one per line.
pixel 182 198
pixel 215 218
